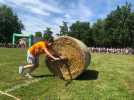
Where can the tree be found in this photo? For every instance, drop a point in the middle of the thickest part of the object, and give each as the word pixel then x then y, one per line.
pixel 99 35
pixel 81 31
pixel 38 34
pixel 130 29
pixel 9 24
pixel 64 29
pixel 37 37
pixel 118 25
pixel 116 30
pixel 48 34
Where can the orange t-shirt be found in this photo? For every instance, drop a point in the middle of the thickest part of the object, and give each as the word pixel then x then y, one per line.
pixel 37 48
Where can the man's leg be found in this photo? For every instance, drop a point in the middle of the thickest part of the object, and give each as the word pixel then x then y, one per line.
pixel 31 69
pixel 30 61
pixel 22 68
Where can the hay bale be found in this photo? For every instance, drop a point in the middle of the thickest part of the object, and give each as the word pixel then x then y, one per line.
pixel 77 57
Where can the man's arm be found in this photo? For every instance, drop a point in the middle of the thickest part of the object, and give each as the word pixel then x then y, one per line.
pixel 50 55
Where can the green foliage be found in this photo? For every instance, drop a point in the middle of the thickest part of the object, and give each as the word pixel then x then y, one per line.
pixel 117 26
pixel 81 31
pixel 99 35
pixel 38 34
pixel 9 23
pixel 48 34
pixel 117 29
pixel 64 29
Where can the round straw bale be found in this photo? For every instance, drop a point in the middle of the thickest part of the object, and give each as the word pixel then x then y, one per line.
pixel 76 57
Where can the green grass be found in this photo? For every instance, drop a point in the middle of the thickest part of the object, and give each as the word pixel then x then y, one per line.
pixel 109 77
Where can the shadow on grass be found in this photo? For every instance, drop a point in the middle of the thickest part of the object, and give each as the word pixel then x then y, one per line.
pixel 88 75
pixel 42 76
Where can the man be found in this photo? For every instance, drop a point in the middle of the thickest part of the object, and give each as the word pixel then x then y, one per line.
pixel 33 54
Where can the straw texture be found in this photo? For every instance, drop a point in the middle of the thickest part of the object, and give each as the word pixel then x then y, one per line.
pixel 76 54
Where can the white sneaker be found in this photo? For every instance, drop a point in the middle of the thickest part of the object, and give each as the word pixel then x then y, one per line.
pixel 21 70
pixel 29 75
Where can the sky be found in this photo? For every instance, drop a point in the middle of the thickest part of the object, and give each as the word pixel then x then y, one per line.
pixel 36 15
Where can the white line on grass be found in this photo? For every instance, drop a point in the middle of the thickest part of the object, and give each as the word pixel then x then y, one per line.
pixel 9 95
pixel 23 85
pixel 18 87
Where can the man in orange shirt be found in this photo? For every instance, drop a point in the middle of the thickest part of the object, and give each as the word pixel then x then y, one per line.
pixel 33 54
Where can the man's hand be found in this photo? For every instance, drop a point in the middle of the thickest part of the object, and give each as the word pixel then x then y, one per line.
pixel 57 59
pixel 62 57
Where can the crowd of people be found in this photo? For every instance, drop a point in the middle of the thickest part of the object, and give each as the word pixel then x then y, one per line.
pixel 91 49
pixel 21 43
pixel 111 50
pixel 10 45
pixel 7 45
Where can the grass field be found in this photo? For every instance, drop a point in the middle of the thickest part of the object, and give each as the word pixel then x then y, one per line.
pixel 109 77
